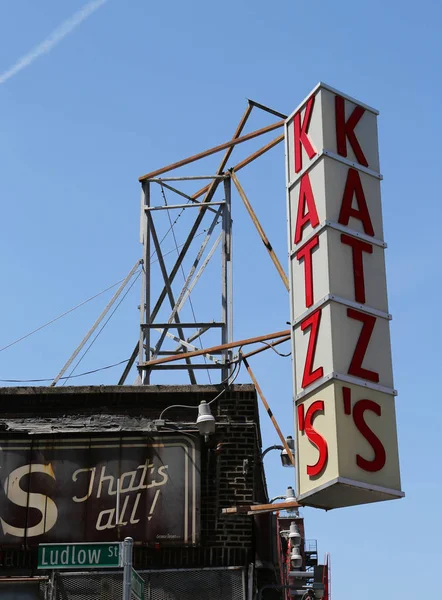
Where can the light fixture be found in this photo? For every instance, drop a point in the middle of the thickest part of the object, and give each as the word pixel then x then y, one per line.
pixel 296 558
pixel 290 494
pixel 285 458
pixel 290 497
pixel 294 535
pixel 205 421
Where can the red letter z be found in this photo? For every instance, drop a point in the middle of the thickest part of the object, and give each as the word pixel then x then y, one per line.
pixel 310 376
pixel 356 367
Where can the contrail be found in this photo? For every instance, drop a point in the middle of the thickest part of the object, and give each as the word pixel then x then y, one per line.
pixel 53 39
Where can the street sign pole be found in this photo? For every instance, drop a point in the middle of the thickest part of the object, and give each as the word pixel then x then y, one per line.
pixel 127 565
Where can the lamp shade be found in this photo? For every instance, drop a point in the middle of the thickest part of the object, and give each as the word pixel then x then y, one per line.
pixel 205 421
pixel 296 558
pixel 294 535
pixel 285 458
pixel 290 494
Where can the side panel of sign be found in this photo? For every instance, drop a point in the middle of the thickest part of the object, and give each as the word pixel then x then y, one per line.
pixel 347 438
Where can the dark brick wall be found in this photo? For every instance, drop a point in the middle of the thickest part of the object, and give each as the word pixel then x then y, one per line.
pixel 231 468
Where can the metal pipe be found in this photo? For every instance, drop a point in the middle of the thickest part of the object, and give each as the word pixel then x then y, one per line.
pixel 236 135
pixel 171 325
pixel 214 150
pixel 179 192
pixel 182 206
pixel 180 367
pixel 264 238
pixel 274 447
pixel 226 302
pixel 267 109
pixel 127 568
pixel 258 153
pixel 246 161
pixel 95 325
pixel 246 342
pixel 186 345
pixel 190 178
pixel 277 498
pixel 266 347
pixel 269 412
pixel 223 163
pixel 144 340
pixel 193 337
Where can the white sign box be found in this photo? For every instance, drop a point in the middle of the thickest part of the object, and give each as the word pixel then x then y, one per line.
pixel 346 447
pixel 337 193
pixel 331 121
pixel 338 339
pixel 337 263
pixel 339 305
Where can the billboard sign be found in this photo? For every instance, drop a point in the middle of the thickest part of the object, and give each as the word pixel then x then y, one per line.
pixel 99 489
pixel 343 378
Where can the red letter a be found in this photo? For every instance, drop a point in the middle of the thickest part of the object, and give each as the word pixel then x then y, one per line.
pixel 305 198
pixel 353 187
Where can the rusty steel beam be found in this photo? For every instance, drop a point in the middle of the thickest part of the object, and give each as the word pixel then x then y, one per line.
pixel 236 135
pixel 214 150
pixel 266 347
pixel 246 161
pixel 246 342
pixel 258 153
pixel 264 238
pixel 269 412
pixel 251 509
pixel 210 188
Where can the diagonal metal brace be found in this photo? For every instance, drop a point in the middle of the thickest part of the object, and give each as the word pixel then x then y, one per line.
pixel 168 287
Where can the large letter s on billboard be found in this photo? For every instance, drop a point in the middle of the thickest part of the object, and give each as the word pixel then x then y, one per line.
pixel 305 424
pixel 44 504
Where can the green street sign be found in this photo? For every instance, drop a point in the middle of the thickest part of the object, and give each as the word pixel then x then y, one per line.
pixel 137 585
pixel 79 556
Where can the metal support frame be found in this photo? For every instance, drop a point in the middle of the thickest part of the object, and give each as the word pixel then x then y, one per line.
pixel 147 352
pixel 149 320
pixel 226 336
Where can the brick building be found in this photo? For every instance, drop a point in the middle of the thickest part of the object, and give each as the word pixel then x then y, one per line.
pixel 58 441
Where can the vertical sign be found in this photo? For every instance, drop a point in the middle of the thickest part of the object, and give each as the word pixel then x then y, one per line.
pixel 344 394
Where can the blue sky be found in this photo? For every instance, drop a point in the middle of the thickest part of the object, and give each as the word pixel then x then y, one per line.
pixel 140 84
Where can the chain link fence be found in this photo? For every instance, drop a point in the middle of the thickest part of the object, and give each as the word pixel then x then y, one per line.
pixel 182 584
